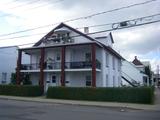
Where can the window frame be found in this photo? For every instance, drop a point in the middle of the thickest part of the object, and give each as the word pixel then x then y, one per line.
pixel 4 77
pixel 107 82
pixel 114 81
pixel 88 57
pixel 113 62
pixel 55 80
pixel 88 81
pixel 107 60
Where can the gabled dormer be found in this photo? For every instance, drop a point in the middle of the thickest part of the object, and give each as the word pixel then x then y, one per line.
pixel 106 40
pixel 59 36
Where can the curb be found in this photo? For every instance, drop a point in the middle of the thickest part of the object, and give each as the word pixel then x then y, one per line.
pixel 83 103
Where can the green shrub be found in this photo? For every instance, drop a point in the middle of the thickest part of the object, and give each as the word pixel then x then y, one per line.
pixel 132 95
pixel 21 90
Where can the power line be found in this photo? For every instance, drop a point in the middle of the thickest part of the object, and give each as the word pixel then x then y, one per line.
pixel 135 19
pixel 22 5
pixel 30 9
pixel 97 32
pixel 43 5
pixel 18 6
pixel 23 36
pixel 100 25
pixel 79 18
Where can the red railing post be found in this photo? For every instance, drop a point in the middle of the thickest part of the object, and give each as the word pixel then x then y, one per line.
pixel 93 54
pixel 19 60
pixel 41 81
pixel 63 66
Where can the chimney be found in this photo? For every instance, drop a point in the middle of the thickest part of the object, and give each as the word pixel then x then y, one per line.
pixel 86 30
pixel 135 57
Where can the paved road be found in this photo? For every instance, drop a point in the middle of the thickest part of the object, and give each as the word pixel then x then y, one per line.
pixel 20 110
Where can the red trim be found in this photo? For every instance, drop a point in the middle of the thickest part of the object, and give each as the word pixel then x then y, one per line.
pixel 18 80
pixel 41 81
pixel 63 66
pixel 93 48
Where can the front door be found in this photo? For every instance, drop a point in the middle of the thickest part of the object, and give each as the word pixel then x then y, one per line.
pixel 52 80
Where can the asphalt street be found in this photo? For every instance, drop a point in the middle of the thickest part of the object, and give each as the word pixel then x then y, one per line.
pixel 21 110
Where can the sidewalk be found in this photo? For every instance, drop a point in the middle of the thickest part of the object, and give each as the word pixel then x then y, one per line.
pixel 83 103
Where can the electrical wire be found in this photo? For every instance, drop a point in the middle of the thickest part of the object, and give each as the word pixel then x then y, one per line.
pixel 135 19
pixel 42 5
pixel 97 32
pixel 22 5
pixel 23 36
pixel 30 9
pixel 79 18
pixel 100 25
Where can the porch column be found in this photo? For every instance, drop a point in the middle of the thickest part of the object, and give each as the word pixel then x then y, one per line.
pixel 41 81
pixel 19 60
pixel 63 66
pixel 93 54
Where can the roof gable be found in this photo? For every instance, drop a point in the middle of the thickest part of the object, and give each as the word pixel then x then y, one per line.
pixel 136 61
pixel 60 26
pixel 112 51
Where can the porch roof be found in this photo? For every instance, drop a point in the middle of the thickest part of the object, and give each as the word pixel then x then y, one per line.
pixel 113 52
pixel 61 45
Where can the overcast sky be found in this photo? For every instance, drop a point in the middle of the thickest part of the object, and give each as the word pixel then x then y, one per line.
pixel 143 41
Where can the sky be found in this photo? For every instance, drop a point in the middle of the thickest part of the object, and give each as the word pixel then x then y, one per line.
pixel 142 41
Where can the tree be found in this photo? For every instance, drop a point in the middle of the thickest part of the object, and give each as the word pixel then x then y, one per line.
pixel 148 72
pixel 25 79
pixel 13 78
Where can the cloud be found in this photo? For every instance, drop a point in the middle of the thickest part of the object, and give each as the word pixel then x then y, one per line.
pixel 141 41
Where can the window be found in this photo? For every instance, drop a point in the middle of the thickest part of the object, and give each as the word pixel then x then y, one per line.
pixel 53 79
pixel 114 82
pixel 4 77
pixel 88 80
pixel 67 82
pixel 58 57
pixel 107 82
pixel 119 65
pixel 88 57
pixel 107 59
pixel 113 63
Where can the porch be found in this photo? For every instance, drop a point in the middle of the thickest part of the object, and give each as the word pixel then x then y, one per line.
pixel 57 59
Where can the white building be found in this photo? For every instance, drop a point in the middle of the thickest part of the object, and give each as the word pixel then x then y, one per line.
pixel 132 74
pixel 68 57
pixel 8 63
pixel 141 66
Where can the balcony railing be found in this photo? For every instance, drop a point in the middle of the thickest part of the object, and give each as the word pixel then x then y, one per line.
pixel 57 65
pixel 81 65
pixel 34 66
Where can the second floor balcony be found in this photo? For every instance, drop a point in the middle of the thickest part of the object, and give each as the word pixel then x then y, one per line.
pixel 57 65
